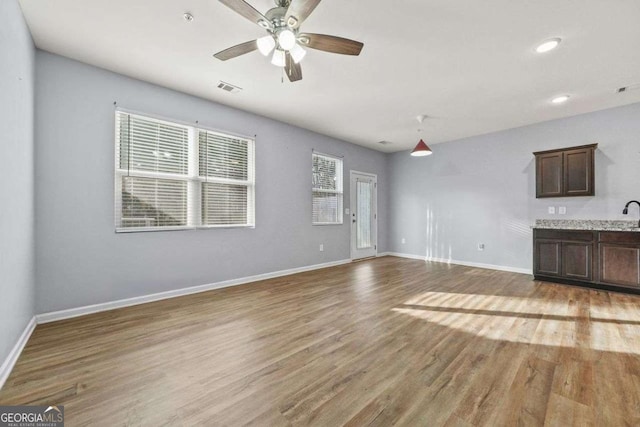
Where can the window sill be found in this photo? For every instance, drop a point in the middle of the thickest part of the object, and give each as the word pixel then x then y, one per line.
pixel 156 229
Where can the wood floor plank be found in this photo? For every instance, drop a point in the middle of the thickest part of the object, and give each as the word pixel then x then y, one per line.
pixel 386 341
pixel 528 396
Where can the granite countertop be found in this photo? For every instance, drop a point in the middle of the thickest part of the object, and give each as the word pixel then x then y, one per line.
pixel 587 224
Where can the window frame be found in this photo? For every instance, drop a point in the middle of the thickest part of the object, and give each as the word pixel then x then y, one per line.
pixel 340 192
pixel 193 178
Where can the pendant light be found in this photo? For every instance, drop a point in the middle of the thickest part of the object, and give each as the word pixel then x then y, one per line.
pixel 422 149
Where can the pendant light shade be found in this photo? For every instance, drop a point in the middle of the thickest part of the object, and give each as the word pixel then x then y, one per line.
pixel 422 149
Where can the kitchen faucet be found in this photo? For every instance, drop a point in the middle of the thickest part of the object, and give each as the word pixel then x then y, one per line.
pixel 626 208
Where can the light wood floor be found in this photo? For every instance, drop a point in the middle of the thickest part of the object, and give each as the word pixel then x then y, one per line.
pixel 380 342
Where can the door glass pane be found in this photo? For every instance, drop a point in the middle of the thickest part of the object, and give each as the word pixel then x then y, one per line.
pixel 363 214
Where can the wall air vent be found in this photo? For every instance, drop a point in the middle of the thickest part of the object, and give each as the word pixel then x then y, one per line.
pixel 629 88
pixel 228 87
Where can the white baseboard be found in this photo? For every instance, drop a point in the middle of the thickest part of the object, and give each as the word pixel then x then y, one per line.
pixel 12 358
pixel 383 254
pixel 96 308
pixel 465 263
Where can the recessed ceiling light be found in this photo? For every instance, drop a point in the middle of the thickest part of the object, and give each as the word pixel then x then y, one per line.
pixel 548 45
pixel 560 99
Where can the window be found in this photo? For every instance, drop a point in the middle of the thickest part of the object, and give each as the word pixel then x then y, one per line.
pixel 174 176
pixel 327 190
pixel 226 171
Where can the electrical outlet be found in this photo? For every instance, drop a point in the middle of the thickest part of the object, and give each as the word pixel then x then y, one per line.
pixel 552 210
pixel 562 210
pixel 481 246
pixel 404 240
pixel 321 247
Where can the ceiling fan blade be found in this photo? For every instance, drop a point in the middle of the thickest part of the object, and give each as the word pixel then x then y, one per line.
pixel 248 11
pixel 237 50
pixel 293 70
pixel 331 44
pixel 298 11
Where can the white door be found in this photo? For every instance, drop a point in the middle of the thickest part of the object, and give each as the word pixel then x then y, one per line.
pixel 364 215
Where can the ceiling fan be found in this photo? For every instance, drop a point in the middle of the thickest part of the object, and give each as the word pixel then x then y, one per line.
pixel 284 38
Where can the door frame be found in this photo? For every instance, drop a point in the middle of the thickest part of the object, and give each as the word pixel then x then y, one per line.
pixel 352 206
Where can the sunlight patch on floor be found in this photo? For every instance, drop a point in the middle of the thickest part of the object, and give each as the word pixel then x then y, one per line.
pixel 562 323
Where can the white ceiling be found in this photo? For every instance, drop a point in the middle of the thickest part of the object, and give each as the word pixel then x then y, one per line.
pixel 468 64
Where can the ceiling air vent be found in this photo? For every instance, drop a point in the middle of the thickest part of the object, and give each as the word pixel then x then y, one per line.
pixel 629 88
pixel 228 87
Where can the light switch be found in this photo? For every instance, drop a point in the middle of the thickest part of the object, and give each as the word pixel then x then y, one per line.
pixel 346 211
pixel 552 210
pixel 562 210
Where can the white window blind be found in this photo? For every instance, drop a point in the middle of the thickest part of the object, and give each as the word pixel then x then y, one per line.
pixel 166 179
pixel 226 167
pixel 327 189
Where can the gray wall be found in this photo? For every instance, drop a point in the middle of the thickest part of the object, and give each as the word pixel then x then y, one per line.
pixel 16 176
pixel 482 189
pixel 82 261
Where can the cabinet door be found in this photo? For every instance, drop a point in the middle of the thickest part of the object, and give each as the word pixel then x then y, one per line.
pixel 547 257
pixel 577 261
pixel 620 265
pixel 549 175
pixel 578 172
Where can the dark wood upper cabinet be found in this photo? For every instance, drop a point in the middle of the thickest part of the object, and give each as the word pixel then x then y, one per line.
pixel 578 172
pixel 567 172
pixel 549 175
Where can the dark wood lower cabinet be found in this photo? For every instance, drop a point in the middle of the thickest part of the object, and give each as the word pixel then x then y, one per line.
pixel 590 258
pixel 620 265
pixel 548 253
pixel 577 260
pixel 619 255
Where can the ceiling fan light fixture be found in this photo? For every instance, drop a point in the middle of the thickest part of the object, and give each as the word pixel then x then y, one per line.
pixel 278 58
pixel 285 42
pixel 266 44
pixel 286 39
pixel 297 53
